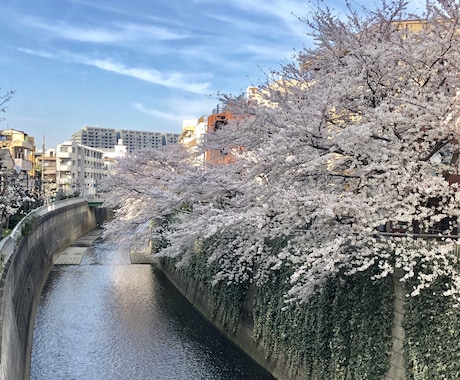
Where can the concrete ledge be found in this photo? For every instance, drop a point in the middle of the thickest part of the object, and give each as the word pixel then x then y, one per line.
pixel 30 254
pixel 71 256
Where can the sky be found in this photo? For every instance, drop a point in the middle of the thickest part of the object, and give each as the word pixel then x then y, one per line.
pixel 141 65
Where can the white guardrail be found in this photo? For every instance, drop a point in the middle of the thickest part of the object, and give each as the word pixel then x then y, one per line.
pixel 8 244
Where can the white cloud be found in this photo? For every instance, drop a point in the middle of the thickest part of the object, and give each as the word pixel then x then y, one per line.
pixel 286 10
pixel 169 79
pixel 178 108
pixel 111 33
pixel 99 6
pixel 156 113
pixel 257 52
pixel 38 53
pixel 174 80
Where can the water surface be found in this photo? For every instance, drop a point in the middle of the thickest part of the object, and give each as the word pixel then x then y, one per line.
pixel 108 319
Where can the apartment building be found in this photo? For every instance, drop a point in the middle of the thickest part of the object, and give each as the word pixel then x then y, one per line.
pixel 193 131
pixel 45 163
pixel 110 158
pixel 22 149
pixel 138 140
pixel 106 138
pixel 95 137
pixel 192 135
pixel 79 169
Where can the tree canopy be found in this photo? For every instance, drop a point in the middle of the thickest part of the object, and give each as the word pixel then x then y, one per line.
pixel 348 160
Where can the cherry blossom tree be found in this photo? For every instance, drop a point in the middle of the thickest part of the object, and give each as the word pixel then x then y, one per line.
pixel 15 197
pixel 347 161
pixel 141 188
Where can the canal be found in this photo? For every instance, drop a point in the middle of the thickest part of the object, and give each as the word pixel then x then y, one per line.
pixel 108 319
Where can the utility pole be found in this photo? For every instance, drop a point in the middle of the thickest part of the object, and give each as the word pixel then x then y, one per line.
pixel 43 172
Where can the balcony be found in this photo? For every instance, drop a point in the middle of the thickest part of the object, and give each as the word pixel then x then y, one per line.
pixel 23 165
pixel 64 181
pixel 23 144
pixel 64 155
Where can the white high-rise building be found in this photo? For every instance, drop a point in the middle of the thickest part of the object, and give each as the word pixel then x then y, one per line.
pixel 107 138
pixel 79 169
pixel 95 137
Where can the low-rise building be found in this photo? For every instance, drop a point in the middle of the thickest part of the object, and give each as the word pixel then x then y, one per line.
pixel 45 164
pixel 110 158
pixel 192 135
pixel 22 149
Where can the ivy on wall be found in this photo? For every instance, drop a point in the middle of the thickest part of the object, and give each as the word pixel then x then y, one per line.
pixel 432 328
pixel 227 299
pixel 343 332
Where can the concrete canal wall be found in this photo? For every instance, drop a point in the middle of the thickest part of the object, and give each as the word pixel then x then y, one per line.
pixel 200 298
pixel 28 253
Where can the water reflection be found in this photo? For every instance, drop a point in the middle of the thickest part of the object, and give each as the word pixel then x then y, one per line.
pixel 107 319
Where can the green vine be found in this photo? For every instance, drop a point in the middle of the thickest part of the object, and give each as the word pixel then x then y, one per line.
pixel 227 299
pixel 342 332
pixel 432 328
pixel 5 232
pixel 28 226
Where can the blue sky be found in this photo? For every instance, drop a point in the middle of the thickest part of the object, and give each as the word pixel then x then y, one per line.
pixel 142 64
